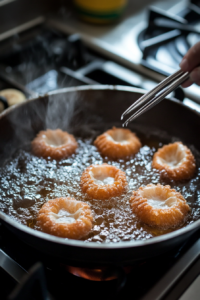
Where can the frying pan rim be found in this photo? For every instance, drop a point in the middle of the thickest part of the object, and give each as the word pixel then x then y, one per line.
pixel 105 246
pixel 121 88
pixel 83 244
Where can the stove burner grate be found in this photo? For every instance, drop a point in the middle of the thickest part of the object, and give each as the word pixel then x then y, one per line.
pixel 168 37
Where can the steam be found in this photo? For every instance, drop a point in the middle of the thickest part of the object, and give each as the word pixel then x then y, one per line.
pixel 61 110
pixel 69 111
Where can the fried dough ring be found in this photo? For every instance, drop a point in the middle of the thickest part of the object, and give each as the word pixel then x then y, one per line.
pixel 160 206
pixel 56 144
pixel 176 160
pixel 65 217
pixel 117 143
pixel 103 181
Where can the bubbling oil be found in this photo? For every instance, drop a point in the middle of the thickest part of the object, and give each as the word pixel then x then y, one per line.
pixel 28 181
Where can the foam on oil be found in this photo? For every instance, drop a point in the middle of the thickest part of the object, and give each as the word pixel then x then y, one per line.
pixel 27 182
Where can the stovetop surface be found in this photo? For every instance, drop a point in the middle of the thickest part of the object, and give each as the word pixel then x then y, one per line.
pixel 119 42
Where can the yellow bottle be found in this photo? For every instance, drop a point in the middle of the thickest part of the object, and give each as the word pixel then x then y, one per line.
pixel 100 11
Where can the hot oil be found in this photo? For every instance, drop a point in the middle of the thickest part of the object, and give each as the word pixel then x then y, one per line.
pixel 27 182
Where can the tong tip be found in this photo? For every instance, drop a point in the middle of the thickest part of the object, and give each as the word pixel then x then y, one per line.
pixel 126 112
pixel 125 124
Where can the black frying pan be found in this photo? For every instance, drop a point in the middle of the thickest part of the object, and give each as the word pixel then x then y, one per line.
pixel 93 104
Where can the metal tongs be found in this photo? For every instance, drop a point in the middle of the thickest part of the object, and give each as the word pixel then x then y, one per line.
pixel 156 95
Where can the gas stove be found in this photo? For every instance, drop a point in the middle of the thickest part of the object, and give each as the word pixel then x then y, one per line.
pixel 71 53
